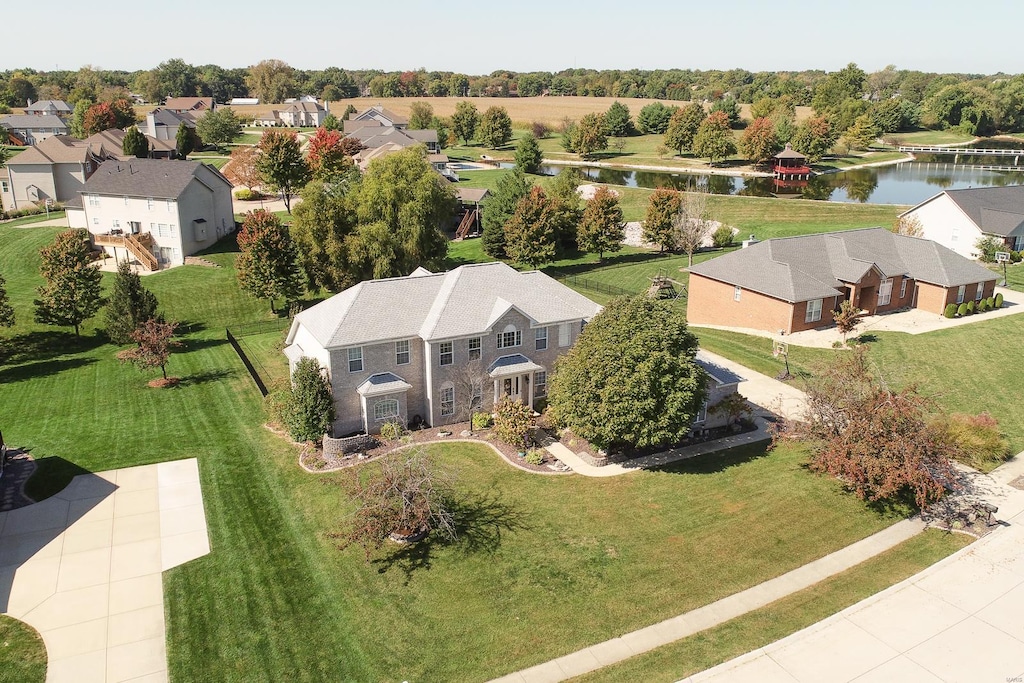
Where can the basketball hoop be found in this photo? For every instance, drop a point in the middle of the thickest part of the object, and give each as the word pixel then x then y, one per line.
pixel 1002 257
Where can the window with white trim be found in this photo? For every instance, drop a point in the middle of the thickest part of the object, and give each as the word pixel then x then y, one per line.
pixel 126 200
pixel 702 414
pixel 95 221
pixel 117 223
pixel 402 355
pixel 94 200
pixel 355 359
pixel 170 204
pixel 385 409
pixel 954 234
pixel 541 338
pixel 540 383
pixel 960 292
pixel 813 313
pixel 510 337
pixel 564 334
pixel 736 292
pixel 4 186
pixel 474 348
pixel 149 203
pixel 446 353
pixel 885 292
pixel 903 288
pixel 981 291
pixel 447 400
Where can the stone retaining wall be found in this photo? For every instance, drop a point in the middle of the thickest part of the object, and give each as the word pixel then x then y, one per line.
pixel 336 448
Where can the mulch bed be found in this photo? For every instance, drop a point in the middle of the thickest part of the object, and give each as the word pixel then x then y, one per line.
pixel 313 459
pixel 20 466
pixel 162 383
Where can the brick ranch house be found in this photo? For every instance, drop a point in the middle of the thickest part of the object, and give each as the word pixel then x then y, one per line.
pixel 791 284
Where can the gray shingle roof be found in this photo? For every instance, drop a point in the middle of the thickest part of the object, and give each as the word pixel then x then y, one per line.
pixel 816 266
pixel 23 121
pixel 155 178
pixel 43 105
pixel 514 364
pixel 54 149
pixel 462 302
pixel 383 383
pixel 995 210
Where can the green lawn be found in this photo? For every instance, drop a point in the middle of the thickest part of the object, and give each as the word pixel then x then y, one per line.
pixel 22 653
pixel 546 565
pixel 779 619
pixel 932 137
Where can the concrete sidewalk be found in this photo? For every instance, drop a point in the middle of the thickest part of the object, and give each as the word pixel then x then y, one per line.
pixel 684 625
pixel 957 621
pixel 84 568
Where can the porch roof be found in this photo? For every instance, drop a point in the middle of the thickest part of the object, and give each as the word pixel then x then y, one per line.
pixel 383 383
pixel 516 364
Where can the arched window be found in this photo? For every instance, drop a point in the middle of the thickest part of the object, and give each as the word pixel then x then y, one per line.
pixel 509 337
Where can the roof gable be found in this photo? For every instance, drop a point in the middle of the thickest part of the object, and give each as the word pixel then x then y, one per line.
pixel 155 178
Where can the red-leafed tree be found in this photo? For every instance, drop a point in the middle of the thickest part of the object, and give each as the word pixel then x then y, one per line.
pixel 98 118
pixel 875 439
pixel 759 141
pixel 325 155
pixel 351 146
pixel 124 113
pixel 243 167
pixel 268 263
pixel 155 342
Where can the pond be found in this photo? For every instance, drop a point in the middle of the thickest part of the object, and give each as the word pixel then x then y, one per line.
pixel 909 182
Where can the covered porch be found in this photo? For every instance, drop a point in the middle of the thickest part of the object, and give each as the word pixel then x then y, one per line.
pixel 515 377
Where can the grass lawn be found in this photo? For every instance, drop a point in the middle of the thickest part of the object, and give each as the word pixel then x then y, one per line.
pixel 22 653
pixel 547 565
pixel 932 137
pixel 779 619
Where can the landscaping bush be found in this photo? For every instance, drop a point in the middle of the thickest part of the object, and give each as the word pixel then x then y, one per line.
pixel 982 305
pixel 971 308
pixel 512 421
pixel 278 404
pixel 998 302
pixel 991 303
pixel 482 420
pixel 1016 256
pixel 962 310
pixel 391 430
pixel 722 237
pixel 535 456
pixel 975 440
pixel 247 195
pixel 950 311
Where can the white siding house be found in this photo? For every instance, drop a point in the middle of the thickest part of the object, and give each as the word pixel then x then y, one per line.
pixel 957 219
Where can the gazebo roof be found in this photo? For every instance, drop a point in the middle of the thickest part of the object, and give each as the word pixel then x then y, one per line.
pixel 789 153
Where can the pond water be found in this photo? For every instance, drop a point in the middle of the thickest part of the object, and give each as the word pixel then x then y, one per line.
pixel 908 182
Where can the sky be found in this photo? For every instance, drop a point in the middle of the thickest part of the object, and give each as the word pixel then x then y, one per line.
pixel 482 36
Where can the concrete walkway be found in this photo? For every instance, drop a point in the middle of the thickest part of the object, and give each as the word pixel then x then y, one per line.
pixel 684 625
pixel 958 620
pixel 770 396
pixel 84 568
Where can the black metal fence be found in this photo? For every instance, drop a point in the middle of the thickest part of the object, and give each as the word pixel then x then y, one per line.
pixel 593 285
pixel 260 327
pixel 247 363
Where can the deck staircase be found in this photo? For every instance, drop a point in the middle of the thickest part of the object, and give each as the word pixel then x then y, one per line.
pixel 137 245
pixel 469 219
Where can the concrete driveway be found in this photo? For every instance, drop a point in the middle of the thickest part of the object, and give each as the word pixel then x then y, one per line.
pixel 959 621
pixel 84 568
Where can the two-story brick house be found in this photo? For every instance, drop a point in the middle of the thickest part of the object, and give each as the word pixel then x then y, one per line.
pixel 434 345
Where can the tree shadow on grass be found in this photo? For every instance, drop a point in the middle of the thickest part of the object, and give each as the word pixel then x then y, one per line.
pixel 480 522
pixel 44 368
pixel 712 463
pixel 205 377
pixel 45 345
pixel 225 245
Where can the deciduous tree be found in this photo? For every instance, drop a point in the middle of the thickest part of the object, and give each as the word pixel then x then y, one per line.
pixel 862 133
pixel 271 80
pixel 714 139
pixel 130 305
pixel 814 138
pixel 587 136
pixel 683 126
pixel 759 142
pixel 281 164
pixel 908 225
pixel 244 167
pixel 662 208
pixel 730 108
pixel 420 115
pixel 185 141
pixel 530 236
pixel 630 379
pixel 509 189
pixel 77 124
pixel 323 220
pixel 124 113
pixel 98 118
pixel 71 294
pixel 155 339
pixel 135 143
pixel 268 263
pixel 495 127
pixel 847 318
pixel 325 155
pixel 876 439
pixel 219 127
pixel 601 228
pixel 691 226
pixel 528 156
pixel 465 120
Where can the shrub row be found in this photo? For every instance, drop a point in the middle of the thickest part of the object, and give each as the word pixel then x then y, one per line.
pixel 247 195
pixel 33 210
pixel 972 307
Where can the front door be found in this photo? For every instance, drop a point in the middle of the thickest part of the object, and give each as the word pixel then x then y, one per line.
pixel 512 388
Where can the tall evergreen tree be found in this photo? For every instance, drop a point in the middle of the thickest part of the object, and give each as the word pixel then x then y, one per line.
pixel 135 143
pixel 662 208
pixel 185 141
pixel 129 306
pixel 528 156
pixel 509 189
pixel 268 264
pixel 601 228
pixel 530 234
pixel 71 294
pixel 617 121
